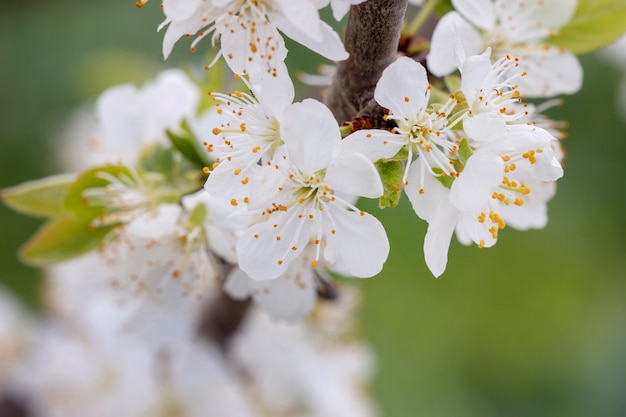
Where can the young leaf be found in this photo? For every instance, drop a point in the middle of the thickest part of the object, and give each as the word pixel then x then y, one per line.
pixel 61 239
pixel 595 24
pixel 75 202
pixel 40 198
pixel 187 145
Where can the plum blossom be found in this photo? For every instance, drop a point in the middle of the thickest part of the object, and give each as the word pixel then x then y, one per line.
pixel 249 134
pixel 128 118
pixel 289 297
pixel 163 247
pixel 423 132
pixel 511 28
pixel 247 30
pixel 308 186
pixel 506 179
pixel 295 370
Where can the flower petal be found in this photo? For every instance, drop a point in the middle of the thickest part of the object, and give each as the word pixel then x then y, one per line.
pixel 355 175
pixel 311 135
pixel 403 88
pixel 266 249
pixel 238 284
pixel 451 29
pixel 375 144
pixel 480 12
pixel 437 241
pixel 359 240
pixel 474 186
pixel 549 71
pixel 424 203
pixel 329 45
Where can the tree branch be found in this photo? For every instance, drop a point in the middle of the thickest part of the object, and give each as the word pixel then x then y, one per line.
pixel 222 318
pixel 371 39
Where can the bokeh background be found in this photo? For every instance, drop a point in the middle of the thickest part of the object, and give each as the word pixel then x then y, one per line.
pixel 535 326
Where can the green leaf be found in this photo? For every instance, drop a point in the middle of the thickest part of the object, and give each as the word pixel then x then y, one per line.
pixel 595 24
pixel 187 145
pixel 444 7
pixel 61 239
pixel 391 173
pixel 74 200
pixel 40 198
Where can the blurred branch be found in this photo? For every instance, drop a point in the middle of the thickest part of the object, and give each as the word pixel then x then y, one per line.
pixel 222 317
pixel 371 39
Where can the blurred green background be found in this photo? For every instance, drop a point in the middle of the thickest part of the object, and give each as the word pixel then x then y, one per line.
pixel 535 326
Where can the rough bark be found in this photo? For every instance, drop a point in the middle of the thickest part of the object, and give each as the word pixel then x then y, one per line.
pixel 371 39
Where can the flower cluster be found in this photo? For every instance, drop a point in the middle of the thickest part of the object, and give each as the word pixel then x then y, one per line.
pixel 172 188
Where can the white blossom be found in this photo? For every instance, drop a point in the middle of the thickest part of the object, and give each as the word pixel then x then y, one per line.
pixel 162 248
pixel 128 118
pixel 423 132
pixel 507 177
pixel 247 30
pixel 303 201
pixel 249 134
pixel 293 372
pixel 511 28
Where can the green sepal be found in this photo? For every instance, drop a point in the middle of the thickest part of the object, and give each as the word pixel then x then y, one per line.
pixel 465 151
pixel 345 130
pixel 595 24
pixel 188 145
pixel 402 155
pixel 391 173
pixel 76 204
pixel 61 239
pixel 40 198
pixel 445 180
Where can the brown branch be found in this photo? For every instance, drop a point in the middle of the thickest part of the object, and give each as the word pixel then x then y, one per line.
pixel 222 318
pixel 371 39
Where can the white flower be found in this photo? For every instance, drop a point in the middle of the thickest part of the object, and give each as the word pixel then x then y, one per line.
pixel 249 134
pixel 247 30
pixel 303 201
pixel 160 248
pixel 511 28
pixel 290 297
pixel 128 118
pixel 403 88
pixel 293 371
pixel 506 177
